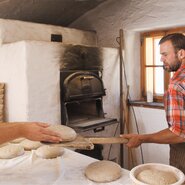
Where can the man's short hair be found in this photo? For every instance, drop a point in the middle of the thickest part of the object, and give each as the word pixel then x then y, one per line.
pixel 177 39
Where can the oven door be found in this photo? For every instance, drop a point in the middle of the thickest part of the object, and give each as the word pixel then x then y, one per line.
pixel 80 85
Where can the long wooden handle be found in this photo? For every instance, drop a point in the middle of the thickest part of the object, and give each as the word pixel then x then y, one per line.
pixel 107 140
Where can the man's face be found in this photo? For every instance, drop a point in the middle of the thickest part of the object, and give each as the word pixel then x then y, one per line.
pixel 169 57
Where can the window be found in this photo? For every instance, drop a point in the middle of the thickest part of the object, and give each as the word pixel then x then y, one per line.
pixel 153 78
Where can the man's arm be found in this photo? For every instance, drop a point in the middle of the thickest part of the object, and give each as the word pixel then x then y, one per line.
pixel 162 137
pixel 33 131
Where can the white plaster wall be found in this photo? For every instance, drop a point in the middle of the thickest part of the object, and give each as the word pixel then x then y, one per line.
pixel 13 30
pixel 149 121
pixel 133 17
pixel 43 81
pixel 31 70
pixel 12 73
pixel 132 63
pixel 111 82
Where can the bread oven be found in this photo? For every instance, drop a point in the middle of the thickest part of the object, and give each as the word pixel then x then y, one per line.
pixel 82 92
pixel 81 99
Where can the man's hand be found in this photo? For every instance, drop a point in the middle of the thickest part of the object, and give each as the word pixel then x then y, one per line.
pixel 134 140
pixel 39 132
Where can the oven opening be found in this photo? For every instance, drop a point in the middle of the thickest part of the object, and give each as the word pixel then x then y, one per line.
pixel 79 111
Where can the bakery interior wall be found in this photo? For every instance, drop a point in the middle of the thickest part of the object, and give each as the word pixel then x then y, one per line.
pixel 30 68
pixel 23 67
pixel 133 17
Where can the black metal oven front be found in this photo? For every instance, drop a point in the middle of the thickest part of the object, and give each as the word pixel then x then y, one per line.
pixel 81 94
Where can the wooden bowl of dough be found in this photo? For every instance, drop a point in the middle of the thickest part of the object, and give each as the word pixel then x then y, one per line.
pixel 156 174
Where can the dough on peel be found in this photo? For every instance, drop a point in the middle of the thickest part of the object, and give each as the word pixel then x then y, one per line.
pixel 65 132
pixel 11 151
pixel 30 145
pixel 156 177
pixel 103 171
pixel 49 152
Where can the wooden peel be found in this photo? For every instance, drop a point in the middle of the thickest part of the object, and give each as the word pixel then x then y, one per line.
pixel 87 143
pixel 107 140
pixel 79 143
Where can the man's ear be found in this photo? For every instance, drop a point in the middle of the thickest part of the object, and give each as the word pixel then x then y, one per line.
pixel 181 54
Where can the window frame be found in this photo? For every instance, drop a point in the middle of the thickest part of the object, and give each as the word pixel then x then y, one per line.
pixel 143 36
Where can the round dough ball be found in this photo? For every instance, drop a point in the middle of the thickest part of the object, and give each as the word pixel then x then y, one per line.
pixel 18 140
pixel 4 144
pixel 66 133
pixel 11 151
pixel 103 171
pixel 49 152
pixel 30 145
pixel 156 177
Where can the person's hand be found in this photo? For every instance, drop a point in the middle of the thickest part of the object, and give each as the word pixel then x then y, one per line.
pixel 134 140
pixel 39 132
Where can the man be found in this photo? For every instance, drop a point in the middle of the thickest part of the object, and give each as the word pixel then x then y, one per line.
pixel 33 131
pixel 172 50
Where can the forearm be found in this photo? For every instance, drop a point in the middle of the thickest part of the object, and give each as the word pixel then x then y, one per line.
pixel 163 137
pixel 34 131
pixel 10 131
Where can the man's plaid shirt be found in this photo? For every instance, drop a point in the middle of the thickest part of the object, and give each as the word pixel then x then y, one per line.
pixel 174 101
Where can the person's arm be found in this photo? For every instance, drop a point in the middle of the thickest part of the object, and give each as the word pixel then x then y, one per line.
pixel 32 131
pixel 174 103
pixel 162 137
pixel 9 132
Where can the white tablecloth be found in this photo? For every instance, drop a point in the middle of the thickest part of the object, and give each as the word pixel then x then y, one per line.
pixel 66 170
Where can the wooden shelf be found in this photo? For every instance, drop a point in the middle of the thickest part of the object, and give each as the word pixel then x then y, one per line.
pixel 141 103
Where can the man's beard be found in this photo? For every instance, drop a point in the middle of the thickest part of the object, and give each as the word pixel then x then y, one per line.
pixel 173 67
